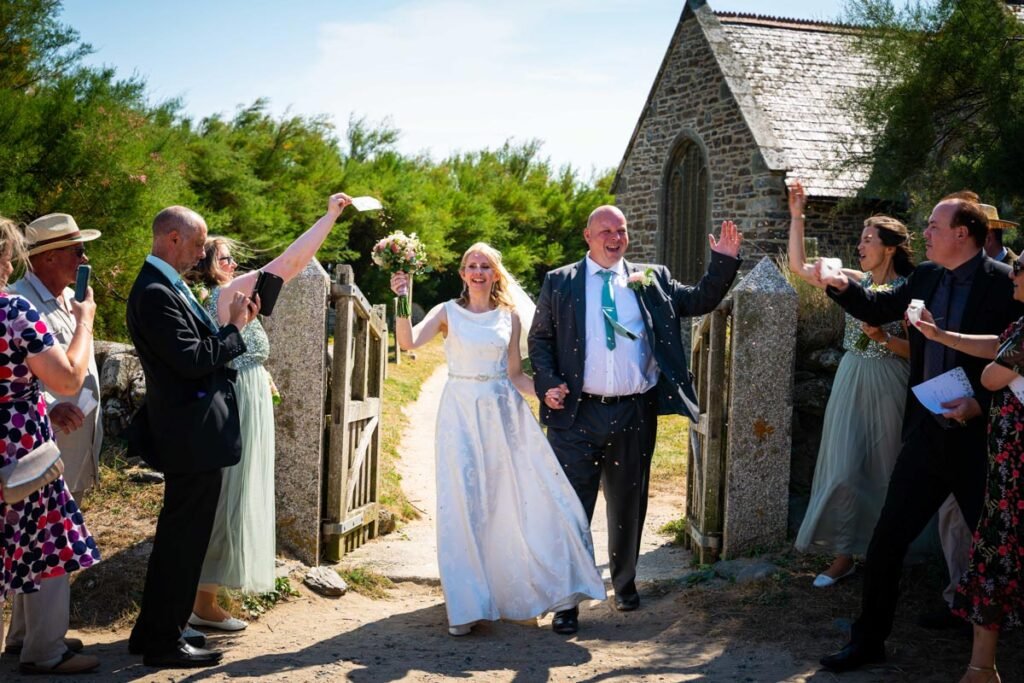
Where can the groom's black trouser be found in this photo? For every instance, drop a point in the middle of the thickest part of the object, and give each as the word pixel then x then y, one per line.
pixel 612 444
pixel 176 562
pixel 933 463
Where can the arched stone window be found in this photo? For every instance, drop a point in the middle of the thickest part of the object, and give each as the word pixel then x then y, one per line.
pixel 685 212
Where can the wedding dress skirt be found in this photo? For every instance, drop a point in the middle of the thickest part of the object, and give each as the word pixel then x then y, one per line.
pixel 513 540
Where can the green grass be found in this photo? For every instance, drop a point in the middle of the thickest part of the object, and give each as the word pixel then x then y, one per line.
pixel 256 604
pixel 401 388
pixel 677 529
pixel 670 451
pixel 366 582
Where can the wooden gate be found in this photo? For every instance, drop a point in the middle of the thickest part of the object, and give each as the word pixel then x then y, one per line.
pixel 356 385
pixel 705 468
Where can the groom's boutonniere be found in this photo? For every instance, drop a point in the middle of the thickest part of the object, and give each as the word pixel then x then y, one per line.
pixel 638 280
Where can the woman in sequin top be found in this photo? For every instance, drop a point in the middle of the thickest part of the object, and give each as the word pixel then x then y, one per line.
pixel 861 432
pixel 241 553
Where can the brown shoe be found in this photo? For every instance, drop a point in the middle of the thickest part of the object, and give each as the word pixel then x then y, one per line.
pixel 70 663
pixel 73 644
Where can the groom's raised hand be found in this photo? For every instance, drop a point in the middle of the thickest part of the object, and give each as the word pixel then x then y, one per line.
pixel 728 242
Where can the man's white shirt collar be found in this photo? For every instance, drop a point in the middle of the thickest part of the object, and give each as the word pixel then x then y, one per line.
pixel 593 267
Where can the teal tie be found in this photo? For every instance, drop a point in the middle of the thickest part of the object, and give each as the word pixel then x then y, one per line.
pixel 196 308
pixel 608 308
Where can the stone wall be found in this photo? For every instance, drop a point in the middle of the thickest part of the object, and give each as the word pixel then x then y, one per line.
pixel 692 99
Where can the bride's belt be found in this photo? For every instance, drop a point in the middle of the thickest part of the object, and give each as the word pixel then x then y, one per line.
pixel 478 378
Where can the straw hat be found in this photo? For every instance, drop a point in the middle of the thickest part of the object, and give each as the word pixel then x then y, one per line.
pixel 994 221
pixel 55 231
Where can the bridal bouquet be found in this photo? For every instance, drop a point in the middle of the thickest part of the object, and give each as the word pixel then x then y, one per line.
pixel 399 252
pixel 863 340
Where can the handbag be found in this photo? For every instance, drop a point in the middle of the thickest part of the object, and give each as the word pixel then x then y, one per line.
pixel 31 472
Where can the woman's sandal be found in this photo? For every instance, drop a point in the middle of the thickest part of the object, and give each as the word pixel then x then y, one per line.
pixel 993 673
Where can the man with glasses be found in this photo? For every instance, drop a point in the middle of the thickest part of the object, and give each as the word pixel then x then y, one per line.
pixel 56 249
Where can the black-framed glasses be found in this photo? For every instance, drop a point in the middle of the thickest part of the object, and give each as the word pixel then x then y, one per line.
pixel 227 260
pixel 1017 267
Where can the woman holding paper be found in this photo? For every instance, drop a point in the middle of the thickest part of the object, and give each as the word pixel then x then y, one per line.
pixel 861 434
pixel 990 594
pixel 242 546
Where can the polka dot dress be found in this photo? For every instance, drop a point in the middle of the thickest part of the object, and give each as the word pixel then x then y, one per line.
pixel 44 535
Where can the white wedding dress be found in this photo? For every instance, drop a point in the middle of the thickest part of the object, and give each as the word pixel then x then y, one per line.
pixel 513 541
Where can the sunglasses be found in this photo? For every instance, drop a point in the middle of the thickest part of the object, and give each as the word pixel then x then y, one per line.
pixel 77 251
pixel 1017 267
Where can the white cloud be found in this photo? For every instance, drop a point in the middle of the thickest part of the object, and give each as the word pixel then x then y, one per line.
pixel 458 75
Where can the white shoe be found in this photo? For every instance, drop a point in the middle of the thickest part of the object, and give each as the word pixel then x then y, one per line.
pixel 229 624
pixel 824 580
pixel 462 630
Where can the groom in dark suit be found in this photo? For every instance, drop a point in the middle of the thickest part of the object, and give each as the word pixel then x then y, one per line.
pixel 607 361
pixel 188 428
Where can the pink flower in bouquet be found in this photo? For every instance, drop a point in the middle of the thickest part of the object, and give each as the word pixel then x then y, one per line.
pixel 399 252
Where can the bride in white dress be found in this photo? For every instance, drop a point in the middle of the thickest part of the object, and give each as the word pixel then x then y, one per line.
pixel 513 540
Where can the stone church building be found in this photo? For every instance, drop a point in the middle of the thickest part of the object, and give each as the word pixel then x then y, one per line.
pixel 740 104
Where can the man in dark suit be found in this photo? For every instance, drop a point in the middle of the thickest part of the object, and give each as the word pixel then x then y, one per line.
pixel 189 427
pixel 967 293
pixel 607 361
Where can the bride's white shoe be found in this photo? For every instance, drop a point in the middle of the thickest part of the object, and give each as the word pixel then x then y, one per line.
pixel 462 630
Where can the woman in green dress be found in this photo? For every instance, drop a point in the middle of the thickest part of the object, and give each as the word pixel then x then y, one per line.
pixel 241 552
pixel 861 433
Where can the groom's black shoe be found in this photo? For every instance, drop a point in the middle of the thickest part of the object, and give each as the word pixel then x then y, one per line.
pixel 854 655
pixel 566 622
pixel 627 603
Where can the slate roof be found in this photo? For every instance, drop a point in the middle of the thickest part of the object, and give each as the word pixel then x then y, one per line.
pixel 788 77
pixel 799 74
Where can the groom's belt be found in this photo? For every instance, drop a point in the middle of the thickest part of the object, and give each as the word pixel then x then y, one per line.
pixel 609 400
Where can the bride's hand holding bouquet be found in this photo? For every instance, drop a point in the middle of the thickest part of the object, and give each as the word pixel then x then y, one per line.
pixel 401 254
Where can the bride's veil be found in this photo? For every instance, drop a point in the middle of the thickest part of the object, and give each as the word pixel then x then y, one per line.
pixel 525 308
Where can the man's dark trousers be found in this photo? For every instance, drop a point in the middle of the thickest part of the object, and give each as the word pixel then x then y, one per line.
pixel 182 536
pixel 933 463
pixel 613 444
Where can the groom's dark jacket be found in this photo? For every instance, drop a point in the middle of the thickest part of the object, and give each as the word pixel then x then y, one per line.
pixel 558 335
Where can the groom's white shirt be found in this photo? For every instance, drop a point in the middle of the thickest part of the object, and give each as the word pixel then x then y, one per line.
pixel 630 367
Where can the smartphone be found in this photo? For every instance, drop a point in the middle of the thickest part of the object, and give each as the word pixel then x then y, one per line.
pixel 82 281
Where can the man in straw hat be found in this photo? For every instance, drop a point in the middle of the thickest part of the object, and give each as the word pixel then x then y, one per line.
pixel 56 249
pixel 994 247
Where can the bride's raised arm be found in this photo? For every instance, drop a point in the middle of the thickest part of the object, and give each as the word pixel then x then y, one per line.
pixel 409 337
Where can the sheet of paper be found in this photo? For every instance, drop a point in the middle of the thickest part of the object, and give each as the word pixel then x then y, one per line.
pixel 1017 387
pixel 367 204
pixel 948 386
pixel 87 401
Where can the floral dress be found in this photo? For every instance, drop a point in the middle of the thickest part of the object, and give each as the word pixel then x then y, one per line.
pixel 44 536
pixel 990 595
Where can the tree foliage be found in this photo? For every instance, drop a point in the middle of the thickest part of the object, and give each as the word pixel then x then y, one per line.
pixel 946 111
pixel 82 141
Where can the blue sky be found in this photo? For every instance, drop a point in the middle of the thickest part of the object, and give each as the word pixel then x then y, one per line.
pixel 450 74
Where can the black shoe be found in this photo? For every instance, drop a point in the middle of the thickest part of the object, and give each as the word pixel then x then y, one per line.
pixel 182 656
pixel 627 603
pixel 940 619
pixel 854 656
pixel 566 622
pixel 194 637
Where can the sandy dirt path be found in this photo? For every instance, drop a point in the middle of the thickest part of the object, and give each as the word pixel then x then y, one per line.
pixel 404 638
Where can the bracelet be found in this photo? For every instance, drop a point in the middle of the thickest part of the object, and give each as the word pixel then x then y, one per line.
pixel 88 328
pixel 958 338
pixel 888 338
